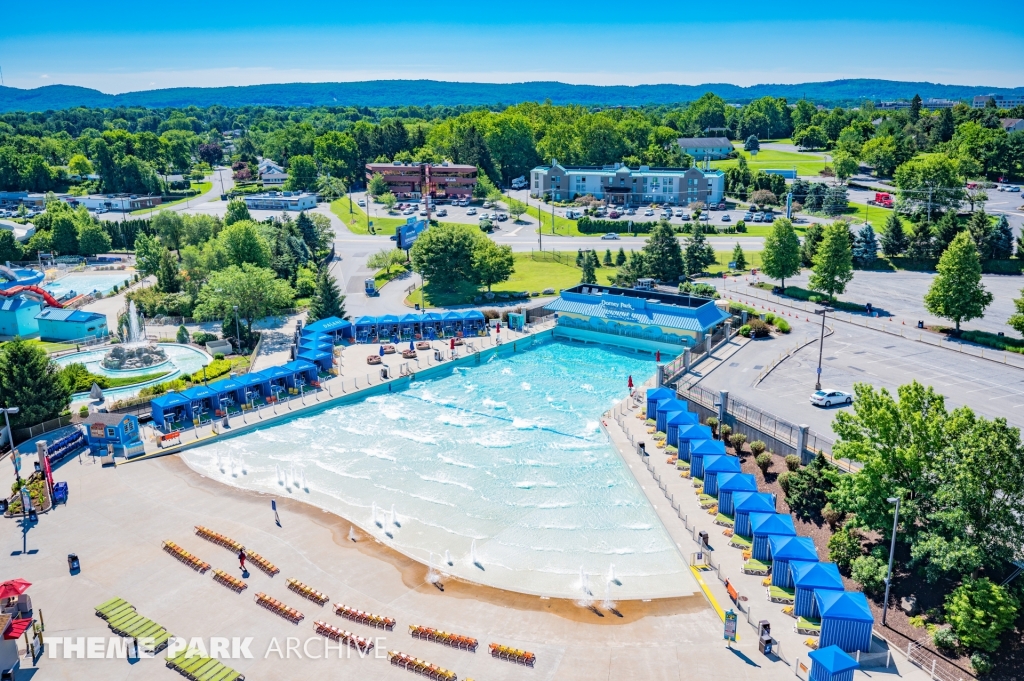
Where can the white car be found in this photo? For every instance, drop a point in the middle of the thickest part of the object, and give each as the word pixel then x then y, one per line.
pixel 487 204
pixel 471 211
pixel 361 202
pixel 680 212
pixel 826 398
pixel 423 212
pixel 485 216
pixel 648 213
pixel 1014 188
pixel 408 211
pixel 441 212
pixel 610 236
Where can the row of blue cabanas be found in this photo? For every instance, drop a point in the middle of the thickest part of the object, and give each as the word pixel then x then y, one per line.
pixel 422 324
pixel 254 387
pixel 846 620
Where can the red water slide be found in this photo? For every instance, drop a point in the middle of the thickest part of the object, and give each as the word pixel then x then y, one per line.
pixel 32 290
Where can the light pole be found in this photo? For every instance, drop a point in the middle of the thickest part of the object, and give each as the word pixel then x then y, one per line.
pixel 10 440
pixel 821 344
pixel 238 334
pixel 892 552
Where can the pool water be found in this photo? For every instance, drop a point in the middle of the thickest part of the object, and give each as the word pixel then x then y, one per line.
pixel 183 360
pixel 87 282
pixel 503 466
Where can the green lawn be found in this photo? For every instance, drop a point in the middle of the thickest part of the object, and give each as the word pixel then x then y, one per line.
pixel 558 225
pixel 354 217
pixel 383 276
pixel 805 163
pixel 876 215
pixel 202 187
pixel 723 258
pixel 49 347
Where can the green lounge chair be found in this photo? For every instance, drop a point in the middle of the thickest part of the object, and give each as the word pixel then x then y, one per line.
pixel 778 594
pixel 739 542
pixel 756 567
pixel 723 519
pixel 808 626
pixel 116 603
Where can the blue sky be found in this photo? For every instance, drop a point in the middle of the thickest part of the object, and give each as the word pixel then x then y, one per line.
pixel 119 46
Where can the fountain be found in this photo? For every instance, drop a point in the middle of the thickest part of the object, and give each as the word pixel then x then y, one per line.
pixel 134 352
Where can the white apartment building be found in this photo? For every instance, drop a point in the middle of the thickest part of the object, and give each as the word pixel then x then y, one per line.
pixel 620 185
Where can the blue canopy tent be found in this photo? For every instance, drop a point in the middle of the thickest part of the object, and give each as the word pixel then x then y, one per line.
pixel 432 324
pixel 809 578
pixel 714 466
pixel 387 326
pixel 687 434
pixel 698 450
pixel 169 409
pixel 655 394
pixel 301 373
pixel 451 322
pixel 765 525
pixel 831 664
pixel 202 400
pixel 278 378
pixel 663 409
pixel 410 325
pixel 365 329
pixel 321 358
pixel 473 322
pixel 316 346
pixel 332 326
pixel 229 391
pixel 731 483
pixel 255 386
pixel 673 421
pixel 788 551
pixel 846 620
pixel 745 503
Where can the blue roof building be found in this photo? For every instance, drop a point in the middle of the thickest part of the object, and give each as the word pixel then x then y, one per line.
pixel 56 324
pixel 18 316
pixel 685 435
pixel 765 525
pixel 170 410
pixel 119 430
pixel 339 328
pixel 716 465
pixel 846 620
pixel 663 409
pixel 808 578
pixel 746 503
pixel 674 421
pixel 788 551
pixel 654 395
pixel 831 664
pixel 731 483
pixel 698 450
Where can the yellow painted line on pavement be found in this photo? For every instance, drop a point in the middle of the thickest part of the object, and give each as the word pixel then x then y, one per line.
pixel 707 592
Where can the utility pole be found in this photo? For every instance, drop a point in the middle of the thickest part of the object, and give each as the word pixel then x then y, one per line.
pixel 892 552
pixel 821 345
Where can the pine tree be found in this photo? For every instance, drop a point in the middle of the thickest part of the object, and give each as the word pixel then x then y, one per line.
pixel 327 300
pixel 307 229
pixel 664 255
pixel 922 244
pixel 620 257
pixel 1001 240
pixel 865 247
pixel 945 230
pixel 981 231
pixel 738 258
pixel 608 258
pixel 915 108
pixel 31 382
pixel 812 239
pixel 894 239
pixel 833 263
pixel 168 277
pixel 781 255
pixel 699 253
pixel 589 277
pixel 956 292
pixel 579 257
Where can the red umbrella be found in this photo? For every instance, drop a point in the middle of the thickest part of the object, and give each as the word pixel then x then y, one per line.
pixel 630 381
pixel 452 345
pixel 657 355
pixel 13 587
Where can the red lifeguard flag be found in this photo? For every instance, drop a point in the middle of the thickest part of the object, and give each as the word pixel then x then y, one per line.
pixel 657 355
pixel 630 381
pixel 452 344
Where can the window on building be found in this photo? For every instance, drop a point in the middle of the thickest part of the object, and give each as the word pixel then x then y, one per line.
pixel 111 432
pixel 129 426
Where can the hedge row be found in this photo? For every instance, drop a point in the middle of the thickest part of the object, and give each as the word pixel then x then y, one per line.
pixel 1010 266
pixel 589 225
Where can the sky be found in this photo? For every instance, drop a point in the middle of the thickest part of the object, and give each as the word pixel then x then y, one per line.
pixel 119 46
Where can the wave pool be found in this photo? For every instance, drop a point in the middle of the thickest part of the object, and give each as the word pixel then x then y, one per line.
pixel 501 470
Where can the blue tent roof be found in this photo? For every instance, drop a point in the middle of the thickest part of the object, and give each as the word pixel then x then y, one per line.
pixel 833 659
pixel 251 379
pixel 843 605
pixel 721 464
pixel 316 346
pixel 366 320
pixel 772 523
pixel 387 319
pixel 707 447
pixel 669 404
pixel 431 317
pixel 753 502
pixel 817 576
pixel 198 392
pixel 473 314
pixel 225 385
pixel 169 400
pixel 315 355
pixel 327 324
pixel 451 315
pixel 298 365
pixel 736 482
pixel 793 548
pixel 411 318
pixel 694 431
pixel 275 372
pixel 660 393
pixel 681 418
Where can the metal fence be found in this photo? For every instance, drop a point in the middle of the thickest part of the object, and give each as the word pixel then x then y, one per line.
pixel 24 434
pixel 928 661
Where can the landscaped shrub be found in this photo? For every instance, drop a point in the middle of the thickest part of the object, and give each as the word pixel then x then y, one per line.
pixel 870 572
pixel 979 612
pixel 202 338
pixel 757 447
pixel 770 317
pixel 218 355
pixel 809 486
pixel 764 461
pixel 758 329
pixel 712 423
pixel 844 547
pixel 698 289
pixel 792 462
pixel 726 432
pixel 785 478
pixel 992 340
pixel 782 326
pixel 183 336
pixel 981 663
pixel 84 411
pixel 945 639
pixel 831 516
pixel 737 441
pixel 744 331
pixel 736 308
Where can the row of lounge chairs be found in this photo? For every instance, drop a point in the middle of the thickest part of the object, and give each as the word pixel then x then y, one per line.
pixel 511 654
pixel 211 536
pixel 200 668
pixel 335 634
pixel 376 621
pixel 123 620
pixel 307 592
pixel 230 581
pixel 277 607
pixel 443 637
pixel 422 667
pixel 186 557
pixel 262 563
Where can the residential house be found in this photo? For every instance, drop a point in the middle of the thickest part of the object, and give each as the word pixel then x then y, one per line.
pixel 706 147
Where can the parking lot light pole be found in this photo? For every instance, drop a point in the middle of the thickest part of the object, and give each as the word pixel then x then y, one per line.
pixel 821 344
pixel 892 552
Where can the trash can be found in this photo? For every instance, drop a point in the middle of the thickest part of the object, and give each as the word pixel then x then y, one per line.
pixel 73 563
pixel 764 627
pixel 3 506
pixel 764 644
pixel 33 517
pixel 703 537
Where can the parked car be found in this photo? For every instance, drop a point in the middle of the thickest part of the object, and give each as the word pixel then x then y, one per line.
pixel 630 211
pixel 758 217
pixel 441 212
pixel 679 212
pixel 705 217
pixel 684 216
pixel 1014 188
pixel 500 217
pixel 573 214
pixel 471 211
pixel 610 236
pixel 648 213
pixel 826 398
pixel 726 218
pixel 769 217
pixel 487 204
pixel 485 216
pixel 613 214
pixel 409 211
pixel 667 215
pixel 721 206
pixel 423 212
pixel 748 216
pixel 361 202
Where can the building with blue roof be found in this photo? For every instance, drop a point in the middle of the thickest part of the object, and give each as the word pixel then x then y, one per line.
pixel 766 525
pixel 170 410
pixel 846 620
pixel 746 503
pixel 338 328
pixel 683 435
pixel 808 578
pixel 18 316
pixel 663 409
pixel 670 318
pixel 831 664
pixel 788 551
pixel 655 395
pixel 715 466
pixel 730 484
pixel 700 449
pixel 61 324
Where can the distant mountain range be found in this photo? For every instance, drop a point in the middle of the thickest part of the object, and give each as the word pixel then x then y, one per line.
pixel 375 93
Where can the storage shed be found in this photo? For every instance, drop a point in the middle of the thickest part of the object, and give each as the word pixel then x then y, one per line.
pixel 745 503
pixel 846 620
pixel 701 448
pixel 731 483
pixel 765 525
pixel 788 551
pixel 655 394
pixel 808 578
pixel 831 664
pixel 684 435
pixel 664 407
pixel 170 410
pixel 120 430
pixel 716 465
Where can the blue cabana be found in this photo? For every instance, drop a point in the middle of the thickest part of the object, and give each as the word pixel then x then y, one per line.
pixel 202 400
pixel 255 386
pixel 169 409
pixel 731 483
pixel 663 409
pixel 765 525
pixel 321 358
pixel 675 420
pixel 698 450
pixel 337 328
pixel 409 325
pixel 365 329
pixel 846 620
pixel 687 434
pixel 278 378
pixel 301 373
pixel 316 346
pixel 808 578
pixel 655 394
pixel 745 503
pixel 831 664
pixel 387 326
pixel 229 391
pixel 716 465
pixel 451 322
pixel 788 551
pixel 473 322
pixel 432 324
